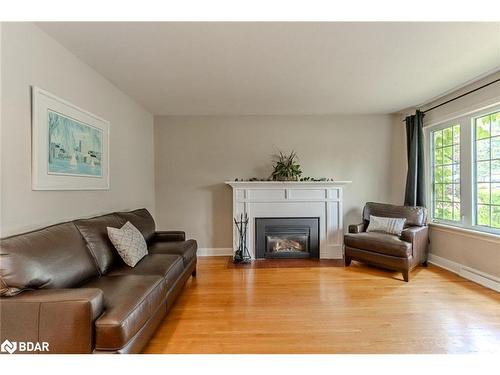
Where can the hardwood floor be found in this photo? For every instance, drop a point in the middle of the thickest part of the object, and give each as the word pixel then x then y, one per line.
pixel 312 309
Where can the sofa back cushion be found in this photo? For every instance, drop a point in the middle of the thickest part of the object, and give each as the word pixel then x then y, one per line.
pixel 415 216
pixel 52 257
pixel 142 220
pixel 94 231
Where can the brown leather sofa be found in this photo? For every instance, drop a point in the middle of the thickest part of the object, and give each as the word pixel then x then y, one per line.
pixel 67 285
pixel 385 250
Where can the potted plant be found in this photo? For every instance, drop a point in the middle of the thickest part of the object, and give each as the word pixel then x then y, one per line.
pixel 286 168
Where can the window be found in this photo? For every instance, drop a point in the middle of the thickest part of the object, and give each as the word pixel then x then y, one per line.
pixel 446 173
pixel 464 170
pixel 487 170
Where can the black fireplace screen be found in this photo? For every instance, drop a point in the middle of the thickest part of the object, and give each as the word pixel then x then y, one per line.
pixel 287 237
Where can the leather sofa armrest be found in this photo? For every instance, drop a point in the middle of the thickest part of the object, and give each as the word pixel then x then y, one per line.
pixel 419 238
pixel 63 318
pixel 357 228
pixel 169 236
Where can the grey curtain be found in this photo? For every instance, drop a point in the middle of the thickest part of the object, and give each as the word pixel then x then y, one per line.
pixel 415 183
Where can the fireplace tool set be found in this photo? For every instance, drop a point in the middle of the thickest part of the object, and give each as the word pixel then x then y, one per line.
pixel 241 255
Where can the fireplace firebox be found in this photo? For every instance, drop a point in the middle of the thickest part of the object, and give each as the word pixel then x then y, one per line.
pixel 287 237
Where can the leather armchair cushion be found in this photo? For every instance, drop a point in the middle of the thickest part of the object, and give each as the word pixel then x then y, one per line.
pixel 129 302
pixel 96 235
pixel 381 243
pixel 186 249
pixel 142 220
pixel 413 215
pixel 53 257
pixel 168 266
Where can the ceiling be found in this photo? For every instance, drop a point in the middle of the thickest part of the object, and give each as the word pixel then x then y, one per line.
pixel 282 68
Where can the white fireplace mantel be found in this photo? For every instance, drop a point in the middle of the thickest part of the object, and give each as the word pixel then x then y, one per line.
pixel 322 199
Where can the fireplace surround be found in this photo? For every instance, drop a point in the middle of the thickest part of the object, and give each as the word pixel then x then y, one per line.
pixel 287 237
pixel 293 199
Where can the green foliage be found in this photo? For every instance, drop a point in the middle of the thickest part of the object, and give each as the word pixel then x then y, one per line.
pixel 495 194
pixel 495 217
pixel 456 134
pixel 483 193
pixel 495 123
pixel 483 127
pixel 487 130
pixel 483 171
pixel 495 148
pixel 448 136
pixel 483 215
pixel 483 149
pixel 488 198
pixel 286 167
pixel 447 173
pixel 456 212
pixel 448 155
pixel 438 139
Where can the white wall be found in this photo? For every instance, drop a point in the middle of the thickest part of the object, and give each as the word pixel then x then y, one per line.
pixel 478 252
pixel 196 154
pixel 30 57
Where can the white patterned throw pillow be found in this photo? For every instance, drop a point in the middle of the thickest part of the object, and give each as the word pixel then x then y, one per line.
pixel 389 225
pixel 129 243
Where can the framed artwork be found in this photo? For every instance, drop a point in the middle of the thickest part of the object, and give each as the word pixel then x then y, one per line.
pixel 70 146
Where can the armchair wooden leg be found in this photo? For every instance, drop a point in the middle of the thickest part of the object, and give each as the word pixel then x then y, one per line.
pixel 347 261
pixel 193 273
pixel 425 264
pixel 406 275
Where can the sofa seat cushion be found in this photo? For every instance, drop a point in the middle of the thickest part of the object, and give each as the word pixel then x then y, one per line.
pixel 169 266
pixel 129 302
pixel 186 249
pixel 381 243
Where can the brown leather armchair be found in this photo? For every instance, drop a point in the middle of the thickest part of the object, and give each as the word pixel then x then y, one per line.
pixel 389 251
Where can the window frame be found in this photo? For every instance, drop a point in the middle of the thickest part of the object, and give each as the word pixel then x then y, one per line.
pixel 473 118
pixel 468 184
pixel 431 165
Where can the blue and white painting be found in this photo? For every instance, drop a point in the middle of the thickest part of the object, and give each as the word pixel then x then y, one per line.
pixel 75 148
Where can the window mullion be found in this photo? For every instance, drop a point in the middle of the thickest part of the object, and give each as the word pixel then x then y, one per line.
pixel 467 170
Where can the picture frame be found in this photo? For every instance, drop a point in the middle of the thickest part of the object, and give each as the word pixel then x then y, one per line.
pixel 70 146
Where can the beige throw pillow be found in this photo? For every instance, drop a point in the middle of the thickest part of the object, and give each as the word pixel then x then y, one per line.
pixel 129 243
pixel 386 224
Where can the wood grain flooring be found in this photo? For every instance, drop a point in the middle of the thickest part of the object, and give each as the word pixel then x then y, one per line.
pixel 318 309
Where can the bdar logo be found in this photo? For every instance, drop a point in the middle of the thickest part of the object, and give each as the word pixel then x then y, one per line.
pixel 8 346
pixel 24 346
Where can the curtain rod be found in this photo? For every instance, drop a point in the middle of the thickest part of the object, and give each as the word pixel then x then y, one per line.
pixel 462 95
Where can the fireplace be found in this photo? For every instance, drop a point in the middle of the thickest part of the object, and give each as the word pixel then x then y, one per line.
pixel 288 237
pixel 322 200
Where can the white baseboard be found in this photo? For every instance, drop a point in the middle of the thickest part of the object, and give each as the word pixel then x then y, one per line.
pixel 479 277
pixel 214 251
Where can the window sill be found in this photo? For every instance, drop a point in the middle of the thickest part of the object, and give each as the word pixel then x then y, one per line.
pixel 484 236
